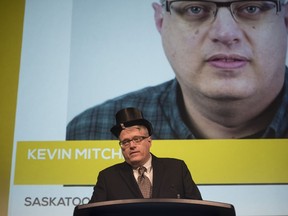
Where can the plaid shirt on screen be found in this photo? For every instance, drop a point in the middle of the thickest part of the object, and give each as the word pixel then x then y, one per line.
pixel 160 106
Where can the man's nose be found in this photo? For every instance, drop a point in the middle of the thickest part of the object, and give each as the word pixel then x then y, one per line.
pixel 132 144
pixel 225 29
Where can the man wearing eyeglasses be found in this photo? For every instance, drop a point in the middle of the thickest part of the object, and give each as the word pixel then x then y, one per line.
pixel 230 75
pixel 167 177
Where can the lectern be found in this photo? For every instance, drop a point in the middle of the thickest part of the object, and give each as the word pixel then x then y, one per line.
pixel 155 207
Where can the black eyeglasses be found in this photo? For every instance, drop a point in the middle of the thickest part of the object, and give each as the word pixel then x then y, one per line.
pixel 137 140
pixel 245 12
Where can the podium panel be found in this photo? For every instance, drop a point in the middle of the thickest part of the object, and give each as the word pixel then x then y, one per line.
pixel 153 207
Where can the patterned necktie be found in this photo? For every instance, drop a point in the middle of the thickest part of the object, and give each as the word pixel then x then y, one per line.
pixel 144 183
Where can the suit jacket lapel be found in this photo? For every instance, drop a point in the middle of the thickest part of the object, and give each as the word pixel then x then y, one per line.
pixel 127 175
pixel 158 174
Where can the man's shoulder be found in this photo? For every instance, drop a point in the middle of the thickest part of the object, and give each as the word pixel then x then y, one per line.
pixel 175 164
pixel 149 92
pixel 95 122
pixel 113 169
pixel 129 99
pixel 166 160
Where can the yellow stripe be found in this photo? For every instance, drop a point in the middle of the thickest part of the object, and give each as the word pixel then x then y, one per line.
pixel 210 161
pixel 11 24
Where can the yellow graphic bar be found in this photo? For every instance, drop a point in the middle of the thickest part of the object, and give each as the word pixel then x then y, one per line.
pixel 256 161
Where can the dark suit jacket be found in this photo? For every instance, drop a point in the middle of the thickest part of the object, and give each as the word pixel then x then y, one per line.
pixel 171 179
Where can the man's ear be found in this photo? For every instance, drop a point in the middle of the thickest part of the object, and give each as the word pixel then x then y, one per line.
pixel 158 16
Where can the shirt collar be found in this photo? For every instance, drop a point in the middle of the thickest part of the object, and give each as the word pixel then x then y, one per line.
pixel 148 164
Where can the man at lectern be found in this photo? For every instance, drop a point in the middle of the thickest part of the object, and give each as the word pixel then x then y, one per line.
pixel 142 175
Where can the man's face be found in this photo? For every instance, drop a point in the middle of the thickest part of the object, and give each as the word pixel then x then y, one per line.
pixel 226 59
pixel 136 154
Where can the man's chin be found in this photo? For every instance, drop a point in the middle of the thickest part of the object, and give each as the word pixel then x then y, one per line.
pixel 226 97
pixel 228 93
pixel 135 163
pixel 135 158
